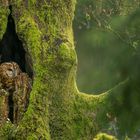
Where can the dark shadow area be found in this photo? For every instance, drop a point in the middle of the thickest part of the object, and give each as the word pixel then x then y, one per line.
pixel 11 48
pixel 11 108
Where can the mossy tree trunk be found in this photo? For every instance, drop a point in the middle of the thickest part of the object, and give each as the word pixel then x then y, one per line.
pixel 57 110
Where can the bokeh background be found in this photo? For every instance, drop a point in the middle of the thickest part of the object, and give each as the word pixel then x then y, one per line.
pixel 107 40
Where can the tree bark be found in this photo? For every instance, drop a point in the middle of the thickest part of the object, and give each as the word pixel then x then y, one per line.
pixel 57 110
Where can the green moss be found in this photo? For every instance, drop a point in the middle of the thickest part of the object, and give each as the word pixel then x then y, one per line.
pixel 3 20
pixel 6 130
pixel 28 30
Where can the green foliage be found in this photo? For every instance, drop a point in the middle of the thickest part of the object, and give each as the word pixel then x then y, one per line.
pixel 102 39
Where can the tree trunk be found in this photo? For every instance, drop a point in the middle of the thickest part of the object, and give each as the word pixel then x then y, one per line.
pixel 57 110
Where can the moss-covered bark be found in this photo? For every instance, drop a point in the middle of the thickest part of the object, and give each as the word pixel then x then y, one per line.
pixel 57 110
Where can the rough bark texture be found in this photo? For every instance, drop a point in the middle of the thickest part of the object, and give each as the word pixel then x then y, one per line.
pixel 57 110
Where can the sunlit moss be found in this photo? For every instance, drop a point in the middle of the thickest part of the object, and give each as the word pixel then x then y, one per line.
pixel 103 136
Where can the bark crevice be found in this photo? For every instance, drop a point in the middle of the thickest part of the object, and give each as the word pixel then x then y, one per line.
pixel 12 50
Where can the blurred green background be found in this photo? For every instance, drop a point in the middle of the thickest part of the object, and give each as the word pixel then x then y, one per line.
pixel 107 40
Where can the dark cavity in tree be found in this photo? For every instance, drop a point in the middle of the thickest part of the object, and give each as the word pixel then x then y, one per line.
pixel 11 48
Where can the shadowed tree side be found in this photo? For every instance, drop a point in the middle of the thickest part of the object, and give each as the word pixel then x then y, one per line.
pixel 57 110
